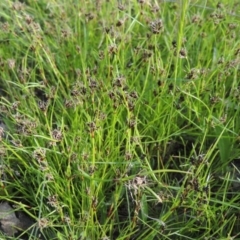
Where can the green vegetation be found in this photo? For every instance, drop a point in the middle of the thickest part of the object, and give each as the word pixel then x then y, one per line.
pixel 122 118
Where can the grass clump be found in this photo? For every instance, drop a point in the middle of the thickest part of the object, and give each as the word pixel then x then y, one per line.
pixel 120 120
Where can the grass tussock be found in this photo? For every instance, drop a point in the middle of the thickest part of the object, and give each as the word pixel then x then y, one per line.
pixel 120 119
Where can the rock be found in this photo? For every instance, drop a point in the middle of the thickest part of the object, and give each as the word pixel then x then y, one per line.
pixel 11 222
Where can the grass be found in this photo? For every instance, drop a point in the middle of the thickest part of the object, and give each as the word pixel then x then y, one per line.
pixel 122 119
